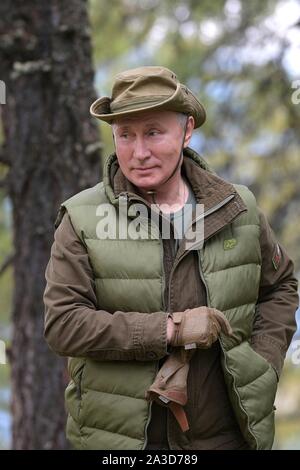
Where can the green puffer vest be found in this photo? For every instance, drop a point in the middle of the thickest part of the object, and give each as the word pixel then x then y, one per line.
pixel 105 400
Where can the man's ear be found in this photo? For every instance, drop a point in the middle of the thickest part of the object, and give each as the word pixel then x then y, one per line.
pixel 190 125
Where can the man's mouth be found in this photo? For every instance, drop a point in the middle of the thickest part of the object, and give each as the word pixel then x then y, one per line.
pixel 144 169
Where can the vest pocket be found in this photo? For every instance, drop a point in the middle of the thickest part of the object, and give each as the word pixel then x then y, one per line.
pixel 263 374
pixel 271 369
pixel 255 384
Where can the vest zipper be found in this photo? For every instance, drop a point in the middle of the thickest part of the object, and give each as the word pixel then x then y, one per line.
pixel 224 355
pixel 217 206
pixel 147 425
pixel 150 413
pixel 212 209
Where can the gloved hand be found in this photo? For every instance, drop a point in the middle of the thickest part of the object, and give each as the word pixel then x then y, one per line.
pixel 199 327
pixel 170 385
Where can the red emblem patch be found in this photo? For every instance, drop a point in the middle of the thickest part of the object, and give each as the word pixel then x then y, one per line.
pixel 276 257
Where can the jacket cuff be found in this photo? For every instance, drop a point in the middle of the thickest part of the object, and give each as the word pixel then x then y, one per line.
pixel 150 336
pixel 269 350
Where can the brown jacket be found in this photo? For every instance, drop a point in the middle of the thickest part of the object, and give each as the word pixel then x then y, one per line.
pixel 76 326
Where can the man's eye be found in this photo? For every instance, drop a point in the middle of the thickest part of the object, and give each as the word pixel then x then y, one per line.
pixel 153 132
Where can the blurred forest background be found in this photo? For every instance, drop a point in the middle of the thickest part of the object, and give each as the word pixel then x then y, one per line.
pixel 242 58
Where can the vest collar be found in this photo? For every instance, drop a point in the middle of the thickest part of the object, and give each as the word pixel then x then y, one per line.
pixel 222 203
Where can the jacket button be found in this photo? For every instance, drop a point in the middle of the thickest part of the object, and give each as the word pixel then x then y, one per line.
pixel 151 355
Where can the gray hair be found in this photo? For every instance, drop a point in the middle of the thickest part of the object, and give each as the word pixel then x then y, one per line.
pixel 182 118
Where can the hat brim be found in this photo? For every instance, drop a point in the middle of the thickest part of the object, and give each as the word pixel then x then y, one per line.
pixel 188 104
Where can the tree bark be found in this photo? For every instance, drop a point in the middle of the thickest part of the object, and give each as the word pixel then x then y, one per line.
pixel 52 150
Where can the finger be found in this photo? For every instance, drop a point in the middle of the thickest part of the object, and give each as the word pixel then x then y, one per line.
pixel 223 322
pixel 205 344
pixel 215 329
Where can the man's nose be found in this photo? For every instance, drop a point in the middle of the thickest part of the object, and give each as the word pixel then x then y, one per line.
pixel 141 149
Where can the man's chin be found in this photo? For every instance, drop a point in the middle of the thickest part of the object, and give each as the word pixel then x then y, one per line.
pixel 145 185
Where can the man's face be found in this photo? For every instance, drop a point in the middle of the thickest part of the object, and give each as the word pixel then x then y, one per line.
pixel 148 146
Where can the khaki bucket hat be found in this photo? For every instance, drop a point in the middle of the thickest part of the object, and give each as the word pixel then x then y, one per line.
pixel 147 88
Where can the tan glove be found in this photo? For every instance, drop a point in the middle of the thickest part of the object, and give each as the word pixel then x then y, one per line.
pixel 170 385
pixel 199 327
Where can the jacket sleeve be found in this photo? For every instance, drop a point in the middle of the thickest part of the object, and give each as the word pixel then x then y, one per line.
pixel 73 324
pixel 274 322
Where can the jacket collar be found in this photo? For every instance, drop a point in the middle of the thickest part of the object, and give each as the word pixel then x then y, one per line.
pixel 222 202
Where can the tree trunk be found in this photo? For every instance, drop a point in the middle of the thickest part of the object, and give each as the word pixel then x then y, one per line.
pixel 52 151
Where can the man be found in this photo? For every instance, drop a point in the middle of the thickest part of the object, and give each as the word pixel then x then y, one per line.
pixel 172 345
